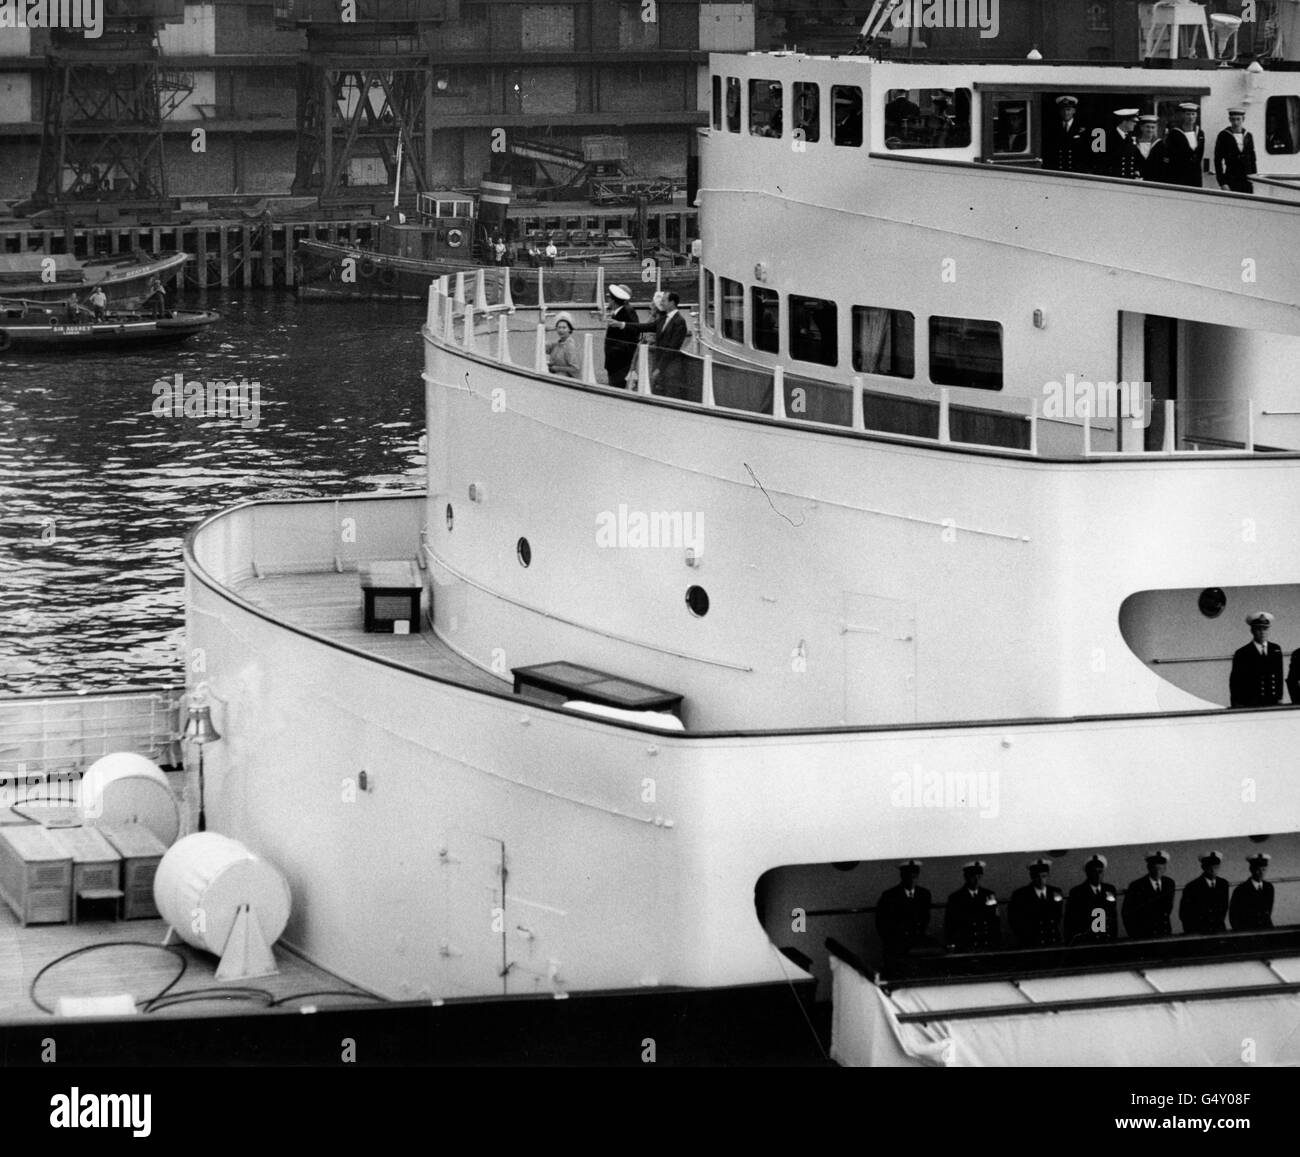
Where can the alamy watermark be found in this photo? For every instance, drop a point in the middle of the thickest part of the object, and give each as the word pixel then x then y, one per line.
pixel 891 14
pixel 657 529
pixel 1079 398
pixel 177 398
pixel 947 789
pixel 88 15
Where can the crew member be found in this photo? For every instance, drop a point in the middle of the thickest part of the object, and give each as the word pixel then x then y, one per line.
pixel 1092 910
pixel 1256 678
pixel 1155 160
pixel 970 921
pixel 1012 134
pixel 1204 905
pixel 1067 142
pixel 1149 901
pixel 1121 158
pixel 1185 148
pixel 1234 154
pixel 1251 907
pixel 99 302
pixel 620 344
pixel 551 253
pixel 1035 910
pixel 903 914
pixel 1293 676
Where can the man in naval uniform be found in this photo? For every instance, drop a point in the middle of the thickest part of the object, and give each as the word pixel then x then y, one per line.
pixel 1256 678
pixel 1155 160
pixel 1204 905
pixel 1149 901
pixel 620 343
pixel 1234 154
pixel 1067 141
pixel 903 914
pixel 1185 147
pixel 970 922
pixel 1251 907
pixel 1035 910
pixel 1121 158
pixel 1092 910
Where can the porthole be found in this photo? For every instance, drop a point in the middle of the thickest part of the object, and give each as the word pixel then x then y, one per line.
pixel 697 598
pixel 524 551
pixel 1212 602
pixel 451 517
pixel 845 865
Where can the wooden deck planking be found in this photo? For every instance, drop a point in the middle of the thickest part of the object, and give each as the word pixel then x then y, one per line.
pixel 329 604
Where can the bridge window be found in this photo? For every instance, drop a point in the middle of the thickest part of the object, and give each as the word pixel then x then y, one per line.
pixel 807 111
pixel 927 118
pixel 710 301
pixel 814 336
pixel 717 102
pixel 733 310
pixel 1011 126
pixel 765 108
pixel 733 104
pixel 884 341
pixel 846 100
pixel 1282 124
pixel 964 352
pixel 767 319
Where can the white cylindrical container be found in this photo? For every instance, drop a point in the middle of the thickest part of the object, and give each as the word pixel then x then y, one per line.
pixel 203 881
pixel 128 788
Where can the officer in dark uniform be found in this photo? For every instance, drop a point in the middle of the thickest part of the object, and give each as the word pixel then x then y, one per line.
pixel 1092 910
pixel 1035 910
pixel 1204 905
pixel 1185 147
pixel 620 343
pixel 903 913
pixel 1121 158
pixel 1293 677
pixel 1252 902
pixel 1256 679
pixel 970 922
pixel 1149 901
pixel 1234 154
pixel 1068 142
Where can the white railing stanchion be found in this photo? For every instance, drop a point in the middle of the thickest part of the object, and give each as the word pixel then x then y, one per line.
pixel 706 398
pixel 449 321
pixel 1033 427
pixel 1250 426
pixel 858 421
pixel 588 360
pixel 541 294
pixel 778 392
pixel 1087 433
pixel 659 278
pixel 467 338
pixel 945 430
pixel 507 295
pixel 503 340
pixel 444 285
pixel 643 368
pixel 600 290
pixel 1170 441
pixel 431 317
pixel 480 290
pixel 539 350
pixel 460 287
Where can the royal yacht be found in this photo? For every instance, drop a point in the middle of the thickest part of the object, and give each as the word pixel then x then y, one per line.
pixel 653 688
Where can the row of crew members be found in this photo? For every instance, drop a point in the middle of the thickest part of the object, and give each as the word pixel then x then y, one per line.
pixel 1134 149
pixel 1090 914
pixel 1256 677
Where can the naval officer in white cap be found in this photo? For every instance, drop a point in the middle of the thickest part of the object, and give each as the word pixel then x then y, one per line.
pixel 1256 679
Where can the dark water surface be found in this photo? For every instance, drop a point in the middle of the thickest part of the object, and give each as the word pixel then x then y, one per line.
pixel 97 492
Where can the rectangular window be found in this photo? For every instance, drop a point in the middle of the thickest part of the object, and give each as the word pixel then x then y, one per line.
pixel 1282 125
pixel 710 301
pixel 765 108
pixel 966 353
pixel 733 104
pixel 807 111
pixel 846 103
pixel 814 336
pixel 766 304
pixel 884 341
pixel 1011 126
pixel 733 310
pixel 717 102
pixel 928 118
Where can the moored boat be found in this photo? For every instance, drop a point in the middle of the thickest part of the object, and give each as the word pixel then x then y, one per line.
pixel 37 326
pixel 51 277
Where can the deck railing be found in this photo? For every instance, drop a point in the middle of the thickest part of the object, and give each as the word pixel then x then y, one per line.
pixel 478 313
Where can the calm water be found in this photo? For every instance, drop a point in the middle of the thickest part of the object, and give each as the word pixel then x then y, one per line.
pixel 96 492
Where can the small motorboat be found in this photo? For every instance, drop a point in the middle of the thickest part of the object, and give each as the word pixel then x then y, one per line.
pixel 35 325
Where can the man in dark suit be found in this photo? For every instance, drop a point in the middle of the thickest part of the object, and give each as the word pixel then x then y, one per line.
pixel 1149 901
pixel 1204 905
pixel 1185 148
pixel 970 921
pixel 903 914
pixel 1067 145
pixel 1234 154
pixel 669 372
pixel 1121 158
pixel 1092 910
pixel 620 343
pixel 1251 907
pixel 1035 910
pixel 1293 677
pixel 1256 678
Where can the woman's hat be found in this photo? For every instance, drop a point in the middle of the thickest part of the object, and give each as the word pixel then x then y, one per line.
pixel 620 293
pixel 559 317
